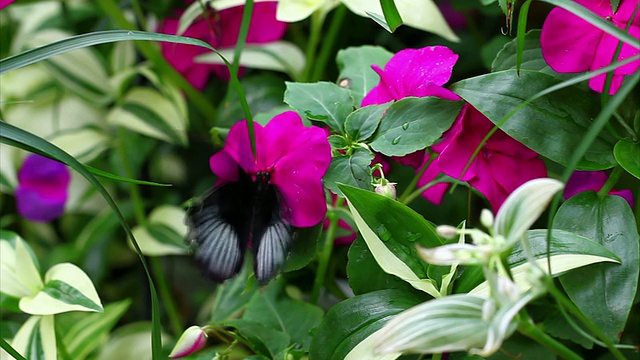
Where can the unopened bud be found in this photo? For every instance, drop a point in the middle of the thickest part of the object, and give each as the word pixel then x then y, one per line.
pixel 191 340
pixel 447 231
pixel 388 190
pixel 486 218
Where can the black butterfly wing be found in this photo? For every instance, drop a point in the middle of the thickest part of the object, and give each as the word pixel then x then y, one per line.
pixel 218 230
pixel 270 233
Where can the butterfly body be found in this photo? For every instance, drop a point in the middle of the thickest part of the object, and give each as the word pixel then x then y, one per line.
pixel 234 217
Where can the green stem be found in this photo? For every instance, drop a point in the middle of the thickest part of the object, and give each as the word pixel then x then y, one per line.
pixel 141 219
pixel 408 191
pixel 325 255
pixel 573 309
pixel 327 42
pixel 612 180
pixel 317 19
pixel 165 295
pixel 527 328
pixel 136 198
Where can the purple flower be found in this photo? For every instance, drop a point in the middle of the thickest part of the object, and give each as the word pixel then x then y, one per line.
pixel 42 188
pixel 295 156
pixel 502 165
pixel 222 34
pixel 570 44
pixel 592 181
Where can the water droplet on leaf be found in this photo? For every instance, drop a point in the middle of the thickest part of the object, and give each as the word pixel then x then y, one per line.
pixel 405 126
pixel 396 140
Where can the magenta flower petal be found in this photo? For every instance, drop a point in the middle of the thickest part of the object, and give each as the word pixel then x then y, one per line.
pixel 414 72
pixel 42 188
pixel 264 27
pixel 592 181
pixel 5 3
pixel 501 166
pixel 295 156
pixel 570 44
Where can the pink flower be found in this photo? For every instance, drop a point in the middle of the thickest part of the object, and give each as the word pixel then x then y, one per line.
pixel 222 34
pixel 295 156
pixel 503 163
pixel 501 166
pixel 570 44
pixel 406 75
pixel 5 3
pixel 592 181
pixel 42 188
pixel 191 340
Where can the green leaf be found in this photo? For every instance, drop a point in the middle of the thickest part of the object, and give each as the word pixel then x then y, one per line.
pixel 567 251
pixel 85 144
pixel 66 288
pixel 276 311
pixel 604 292
pixel 362 123
pixel 531 56
pixel 351 169
pixel 303 250
pixel 164 232
pixel 81 41
pixel 323 101
pixel 412 124
pixel 149 112
pixel 262 339
pixel 364 273
pixel 355 69
pixel 20 270
pixel 523 207
pixel 81 72
pixel 264 93
pixel 627 154
pixel 392 230
pixel 36 339
pixel 553 125
pixel 391 14
pixel 353 320
pixel 232 296
pixel 89 332
pixel 280 56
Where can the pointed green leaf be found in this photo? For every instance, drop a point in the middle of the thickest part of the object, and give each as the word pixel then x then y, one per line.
pixel 88 333
pixel 523 207
pixel 604 292
pixel 36 339
pixel 280 56
pixel 353 320
pixel 149 112
pixel 322 101
pixel 19 274
pixel 356 73
pixel 362 123
pixel 66 288
pixel 553 125
pixel 412 124
pixel 164 232
pixel 351 169
pixel 392 230
pixel 627 154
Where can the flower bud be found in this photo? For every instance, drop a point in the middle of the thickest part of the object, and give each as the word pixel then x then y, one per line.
pixel 191 340
pixel 388 190
pixel 486 218
pixel 447 231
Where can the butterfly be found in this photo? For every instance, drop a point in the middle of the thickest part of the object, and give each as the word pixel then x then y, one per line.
pixel 234 217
